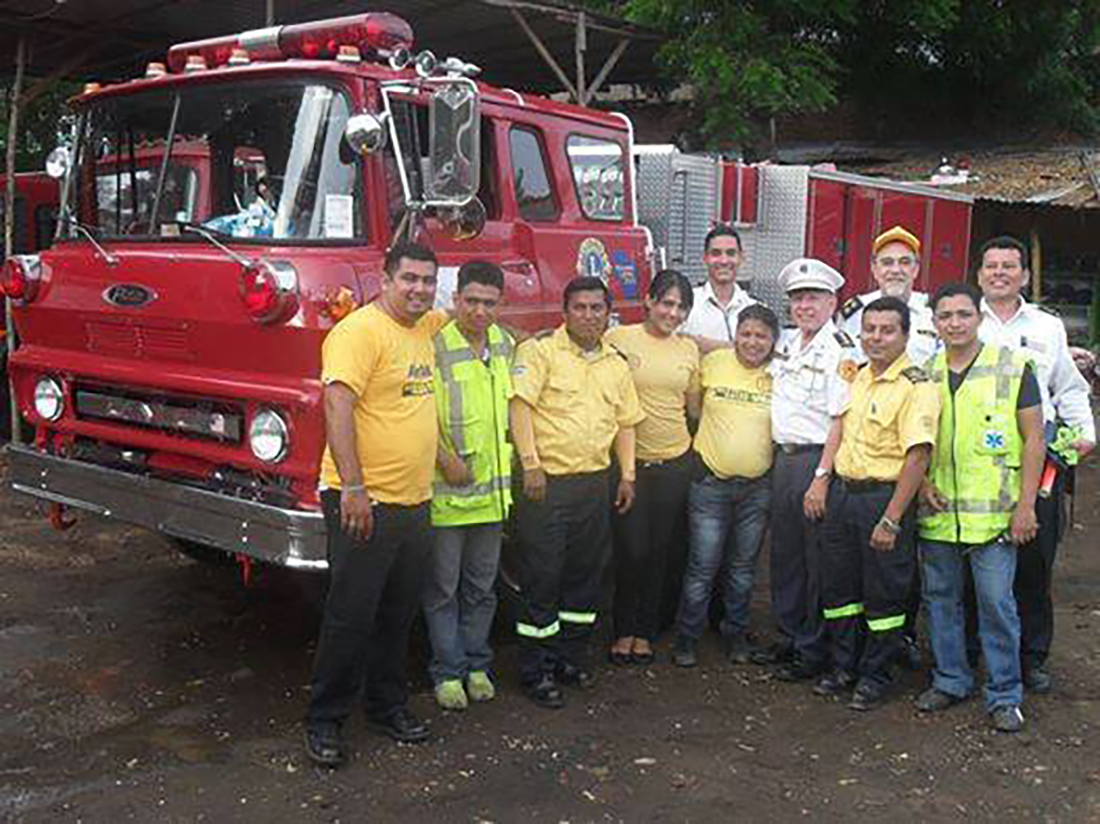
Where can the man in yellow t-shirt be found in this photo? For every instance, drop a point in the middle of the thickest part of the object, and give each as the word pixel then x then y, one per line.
pixel 880 447
pixel 574 399
pixel 376 480
pixel 729 498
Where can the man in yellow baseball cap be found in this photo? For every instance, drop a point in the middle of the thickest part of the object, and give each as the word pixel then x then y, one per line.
pixel 895 264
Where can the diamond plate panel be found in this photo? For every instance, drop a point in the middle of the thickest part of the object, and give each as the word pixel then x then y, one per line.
pixel 779 236
pixel 678 200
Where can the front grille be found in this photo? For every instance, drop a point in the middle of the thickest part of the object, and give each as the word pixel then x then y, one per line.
pixel 197 418
pixel 139 340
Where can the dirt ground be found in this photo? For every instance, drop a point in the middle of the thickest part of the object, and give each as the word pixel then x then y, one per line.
pixel 136 684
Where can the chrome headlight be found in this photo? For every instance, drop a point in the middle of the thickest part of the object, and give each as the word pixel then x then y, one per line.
pixel 49 399
pixel 269 436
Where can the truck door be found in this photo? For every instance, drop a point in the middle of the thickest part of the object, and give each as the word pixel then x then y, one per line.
pixel 574 215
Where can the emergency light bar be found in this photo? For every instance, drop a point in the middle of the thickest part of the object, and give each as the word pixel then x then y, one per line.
pixel 379 32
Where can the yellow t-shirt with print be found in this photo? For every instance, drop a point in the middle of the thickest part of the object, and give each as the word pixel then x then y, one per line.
pixel 735 432
pixel 664 371
pixel 389 367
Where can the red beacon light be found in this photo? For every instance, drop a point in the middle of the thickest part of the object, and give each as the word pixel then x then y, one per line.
pixel 380 33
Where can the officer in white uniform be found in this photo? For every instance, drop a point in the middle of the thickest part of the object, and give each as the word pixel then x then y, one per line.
pixel 813 366
pixel 895 264
pixel 718 302
pixel 1009 320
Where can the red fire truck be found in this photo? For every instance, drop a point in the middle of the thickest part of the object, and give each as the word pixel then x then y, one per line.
pixel 221 213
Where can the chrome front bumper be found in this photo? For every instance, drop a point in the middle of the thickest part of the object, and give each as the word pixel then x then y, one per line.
pixel 286 537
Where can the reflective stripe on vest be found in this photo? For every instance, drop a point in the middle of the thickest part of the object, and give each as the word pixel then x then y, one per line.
pixel 975 464
pixel 472 409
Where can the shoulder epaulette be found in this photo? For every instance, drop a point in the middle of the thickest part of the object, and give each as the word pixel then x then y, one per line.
pixel 1050 310
pixel 915 374
pixel 844 339
pixel 850 307
pixel 545 333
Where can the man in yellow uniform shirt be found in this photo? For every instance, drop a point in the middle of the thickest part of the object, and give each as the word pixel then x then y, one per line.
pixel 376 484
pixel 574 398
pixel 882 444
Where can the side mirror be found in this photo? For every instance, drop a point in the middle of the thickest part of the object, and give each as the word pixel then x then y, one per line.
pixel 58 162
pixel 463 222
pixel 454 143
pixel 365 134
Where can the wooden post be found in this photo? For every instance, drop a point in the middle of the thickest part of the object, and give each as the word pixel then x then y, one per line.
pixel 582 47
pixel 269 13
pixel 544 52
pixel 9 215
pixel 608 65
pixel 1036 266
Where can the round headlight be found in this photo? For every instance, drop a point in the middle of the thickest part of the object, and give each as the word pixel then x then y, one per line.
pixel 49 400
pixel 269 436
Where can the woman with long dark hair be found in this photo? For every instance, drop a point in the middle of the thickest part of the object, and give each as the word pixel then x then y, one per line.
pixel 665 367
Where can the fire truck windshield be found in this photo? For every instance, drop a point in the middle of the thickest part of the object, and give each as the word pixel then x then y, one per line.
pixel 259 160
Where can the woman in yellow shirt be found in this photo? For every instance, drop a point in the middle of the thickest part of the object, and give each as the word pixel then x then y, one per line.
pixel 665 368
pixel 730 496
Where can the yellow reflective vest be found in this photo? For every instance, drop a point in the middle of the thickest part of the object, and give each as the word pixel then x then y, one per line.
pixel 471 398
pixel 976 462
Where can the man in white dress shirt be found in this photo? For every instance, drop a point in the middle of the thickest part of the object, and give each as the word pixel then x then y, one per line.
pixel 895 265
pixel 1009 320
pixel 718 302
pixel 812 368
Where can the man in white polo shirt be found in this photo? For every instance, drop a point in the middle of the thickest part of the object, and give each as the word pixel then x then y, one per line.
pixel 717 302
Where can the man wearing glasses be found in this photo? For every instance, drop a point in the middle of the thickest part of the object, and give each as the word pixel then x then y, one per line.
pixel 895 264
pixel 718 302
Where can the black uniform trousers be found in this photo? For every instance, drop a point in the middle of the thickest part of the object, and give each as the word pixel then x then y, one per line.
pixel 642 540
pixel 865 591
pixel 374 594
pixel 564 544
pixel 795 555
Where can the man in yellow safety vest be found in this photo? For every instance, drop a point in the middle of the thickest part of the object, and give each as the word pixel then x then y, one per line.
pixel 471 494
pixel 978 505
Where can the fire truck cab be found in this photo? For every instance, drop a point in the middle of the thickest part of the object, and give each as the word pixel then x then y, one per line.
pixel 222 213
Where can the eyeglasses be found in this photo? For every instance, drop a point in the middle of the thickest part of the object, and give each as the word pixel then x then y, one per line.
pixel 901 261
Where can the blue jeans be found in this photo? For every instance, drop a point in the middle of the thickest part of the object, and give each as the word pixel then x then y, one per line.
pixel 460 599
pixel 727 520
pixel 994 568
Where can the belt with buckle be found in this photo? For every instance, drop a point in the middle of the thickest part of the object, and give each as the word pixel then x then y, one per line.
pixel 798 448
pixel 865 484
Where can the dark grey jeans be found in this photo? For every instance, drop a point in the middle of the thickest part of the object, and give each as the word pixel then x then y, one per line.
pixel 460 599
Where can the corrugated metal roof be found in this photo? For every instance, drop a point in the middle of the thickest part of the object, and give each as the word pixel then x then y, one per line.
pixel 114 39
pixel 1039 177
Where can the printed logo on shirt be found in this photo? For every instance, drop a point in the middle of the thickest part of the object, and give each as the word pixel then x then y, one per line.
pixel 725 393
pixel 418 381
pixel 994 439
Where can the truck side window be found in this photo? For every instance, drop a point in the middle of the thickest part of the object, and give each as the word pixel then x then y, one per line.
pixel 534 194
pixel 597 166
pixel 20 240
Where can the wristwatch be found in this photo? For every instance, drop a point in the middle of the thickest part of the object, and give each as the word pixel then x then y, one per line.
pixel 822 472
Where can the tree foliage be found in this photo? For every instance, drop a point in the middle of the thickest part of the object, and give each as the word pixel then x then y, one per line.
pixel 980 62
pixel 42 123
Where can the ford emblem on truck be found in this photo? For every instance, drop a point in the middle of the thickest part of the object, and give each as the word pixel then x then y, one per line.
pixel 129 295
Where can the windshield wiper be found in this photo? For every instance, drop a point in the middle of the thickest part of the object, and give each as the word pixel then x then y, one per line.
pixel 171 139
pixel 208 234
pixel 111 259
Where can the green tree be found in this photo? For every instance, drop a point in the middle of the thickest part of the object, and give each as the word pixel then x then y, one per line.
pixel 43 123
pixel 907 67
pixel 748 62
